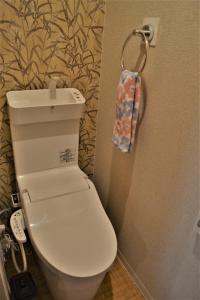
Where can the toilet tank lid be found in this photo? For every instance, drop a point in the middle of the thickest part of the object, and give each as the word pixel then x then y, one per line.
pixel 48 184
pixel 40 98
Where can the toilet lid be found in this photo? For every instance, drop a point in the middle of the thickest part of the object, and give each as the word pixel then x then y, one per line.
pixel 72 233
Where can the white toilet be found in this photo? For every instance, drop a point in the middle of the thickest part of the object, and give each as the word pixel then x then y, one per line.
pixel 69 229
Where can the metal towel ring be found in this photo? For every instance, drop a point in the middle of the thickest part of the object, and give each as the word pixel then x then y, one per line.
pixel 147 34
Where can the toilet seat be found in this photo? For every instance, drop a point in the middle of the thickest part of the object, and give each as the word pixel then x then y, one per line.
pixel 54 182
pixel 71 232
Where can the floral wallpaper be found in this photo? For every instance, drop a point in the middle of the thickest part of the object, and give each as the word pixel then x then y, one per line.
pixel 44 38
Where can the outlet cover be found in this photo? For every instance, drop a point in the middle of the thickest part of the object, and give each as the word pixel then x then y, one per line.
pixel 154 21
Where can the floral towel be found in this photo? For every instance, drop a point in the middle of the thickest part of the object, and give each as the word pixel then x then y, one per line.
pixel 127 107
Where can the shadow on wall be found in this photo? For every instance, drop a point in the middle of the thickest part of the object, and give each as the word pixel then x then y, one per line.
pixel 196 248
pixel 7 177
pixel 122 167
pixel 120 183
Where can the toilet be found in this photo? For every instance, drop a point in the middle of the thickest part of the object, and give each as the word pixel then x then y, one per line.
pixel 71 234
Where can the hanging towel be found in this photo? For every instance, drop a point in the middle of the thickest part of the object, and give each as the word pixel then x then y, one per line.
pixel 127 107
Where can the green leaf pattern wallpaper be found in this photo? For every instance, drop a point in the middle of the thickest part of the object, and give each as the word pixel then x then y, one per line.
pixel 44 38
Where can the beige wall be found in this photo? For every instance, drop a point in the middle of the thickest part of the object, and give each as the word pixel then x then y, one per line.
pixel 151 194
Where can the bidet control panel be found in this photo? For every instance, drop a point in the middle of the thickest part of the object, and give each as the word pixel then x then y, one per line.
pixel 17 226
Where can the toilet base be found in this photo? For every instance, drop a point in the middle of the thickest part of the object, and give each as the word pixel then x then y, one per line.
pixel 64 287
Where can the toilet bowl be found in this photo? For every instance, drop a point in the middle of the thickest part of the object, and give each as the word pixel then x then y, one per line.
pixel 71 234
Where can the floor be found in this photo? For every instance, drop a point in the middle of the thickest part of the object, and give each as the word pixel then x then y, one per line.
pixel 117 284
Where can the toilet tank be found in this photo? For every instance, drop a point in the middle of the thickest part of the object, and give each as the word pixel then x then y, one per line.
pixel 44 131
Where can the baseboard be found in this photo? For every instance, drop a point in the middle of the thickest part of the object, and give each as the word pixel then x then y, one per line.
pixel 144 291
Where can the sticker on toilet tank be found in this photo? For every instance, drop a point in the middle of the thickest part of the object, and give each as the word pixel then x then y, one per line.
pixel 67 156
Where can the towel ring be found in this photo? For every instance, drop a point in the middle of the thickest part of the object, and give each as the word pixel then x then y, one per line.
pixel 147 34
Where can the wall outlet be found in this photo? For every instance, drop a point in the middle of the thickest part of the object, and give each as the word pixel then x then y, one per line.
pixel 15 199
pixel 154 21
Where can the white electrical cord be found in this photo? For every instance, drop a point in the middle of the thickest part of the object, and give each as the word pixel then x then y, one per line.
pixel 3 261
pixel 13 246
pixel 23 254
pixel 4 210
